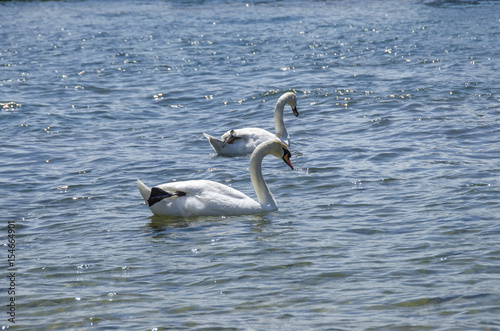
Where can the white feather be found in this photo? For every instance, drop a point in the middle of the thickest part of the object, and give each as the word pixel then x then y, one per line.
pixel 204 197
pixel 244 141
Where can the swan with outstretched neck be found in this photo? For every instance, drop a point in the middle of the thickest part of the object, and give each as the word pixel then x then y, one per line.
pixel 209 198
pixel 244 141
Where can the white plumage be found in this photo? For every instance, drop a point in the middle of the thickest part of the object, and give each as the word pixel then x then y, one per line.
pixel 204 197
pixel 244 141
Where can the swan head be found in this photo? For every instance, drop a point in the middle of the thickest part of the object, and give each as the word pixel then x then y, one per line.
pixel 281 151
pixel 291 100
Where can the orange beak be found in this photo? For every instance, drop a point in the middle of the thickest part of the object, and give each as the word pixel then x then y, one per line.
pixel 286 158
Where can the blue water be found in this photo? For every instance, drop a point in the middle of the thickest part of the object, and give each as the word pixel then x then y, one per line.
pixel 390 220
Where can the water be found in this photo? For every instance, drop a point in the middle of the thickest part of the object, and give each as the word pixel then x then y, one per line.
pixel 389 221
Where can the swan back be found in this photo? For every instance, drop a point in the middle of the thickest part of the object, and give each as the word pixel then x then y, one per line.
pixel 239 141
pixel 197 198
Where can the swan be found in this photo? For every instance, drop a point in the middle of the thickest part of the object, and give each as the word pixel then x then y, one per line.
pixel 244 141
pixel 209 198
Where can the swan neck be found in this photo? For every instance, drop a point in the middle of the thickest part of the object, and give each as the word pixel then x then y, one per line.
pixel 279 124
pixel 264 195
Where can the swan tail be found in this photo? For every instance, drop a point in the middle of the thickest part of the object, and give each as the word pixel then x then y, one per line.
pixel 216 144
pixel 145 191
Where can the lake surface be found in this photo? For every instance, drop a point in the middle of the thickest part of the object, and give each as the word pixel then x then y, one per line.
pixel 390 220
